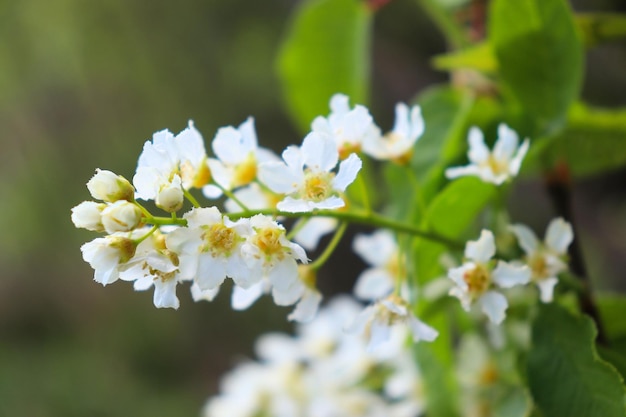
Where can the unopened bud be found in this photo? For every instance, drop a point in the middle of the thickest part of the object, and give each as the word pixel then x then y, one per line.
pixel 110 187
pixel 88 215
pixel 121 216
pixel 170 198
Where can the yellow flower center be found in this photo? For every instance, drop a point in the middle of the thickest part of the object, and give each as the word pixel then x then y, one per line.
pixel 477 280
pixel 497 166
pixel 348 148
pixel 245 172
pixel 538 266
pixel 268 242
pixel 219 239
pixel 317 186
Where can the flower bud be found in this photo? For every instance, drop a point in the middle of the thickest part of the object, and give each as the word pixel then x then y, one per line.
pixel 121 216
pixel 109 187
pixel 88 215
pixel 170 197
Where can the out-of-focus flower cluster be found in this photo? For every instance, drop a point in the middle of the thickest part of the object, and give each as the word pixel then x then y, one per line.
pixel 322 371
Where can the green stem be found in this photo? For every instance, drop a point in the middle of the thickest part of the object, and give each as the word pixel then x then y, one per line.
pixel 232 196
pixel 166 221
pixel 297 227
pixel 191 198
pixel 319 262
pixel 370 219
pixel 365 199
pixel 141 239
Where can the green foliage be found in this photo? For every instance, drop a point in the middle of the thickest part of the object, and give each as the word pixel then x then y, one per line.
pixel 479 57
pixel 565 375
pixel 540 57
pixel 597 28
pixel 326 51
pixel 593 141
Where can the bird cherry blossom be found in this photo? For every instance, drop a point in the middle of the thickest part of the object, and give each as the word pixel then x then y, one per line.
pixel 110 187
pixel 211 245
pixel 107 255
pixel 398 144
pixel 306 175
pixel 495 166
pixel 476 278
pixel 238 157
pixel 155 265
pixel 545 259
pixel 349 128
pixel 376 321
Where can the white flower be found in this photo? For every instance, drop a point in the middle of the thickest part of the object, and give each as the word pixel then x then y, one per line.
pixel 211 247
pixel 381 252
pixel 199 294
pixel 398 144
pixel 495 166
pixel 238 156
pixel 310 297
pixel 155 265
pixel 107 255
pixel 269 254
pixel 109 187
pixel 377 320
pixel 545 259
pixel 313 187
pixel 349 128
pixel 169 164
pixel 475 278
pixel 88 215
pixel 121 216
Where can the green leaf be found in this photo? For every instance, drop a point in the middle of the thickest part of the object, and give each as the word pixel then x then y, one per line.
pixel 450 214
pixel 612 312
pixel 540 57
pixel 565 375
pixel 479 57
pixel 597 28
pixel 593 141
pixel 326 51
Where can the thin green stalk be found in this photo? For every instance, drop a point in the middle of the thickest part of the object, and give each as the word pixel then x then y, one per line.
pixel 297 227
pixel 232 196
pixel 370 219
pixel 191 198
pixel 150 232
pixel 365 199
pixel 332 245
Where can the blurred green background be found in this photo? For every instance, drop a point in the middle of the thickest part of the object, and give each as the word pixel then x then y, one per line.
pixel 82 85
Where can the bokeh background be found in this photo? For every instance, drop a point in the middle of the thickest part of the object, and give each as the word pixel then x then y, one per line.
pixel 82 85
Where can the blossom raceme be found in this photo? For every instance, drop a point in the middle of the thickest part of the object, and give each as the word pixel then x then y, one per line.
pixel 88 215
pixel 476 279
pixel 348 128
pixel 306 175
pixel 397 145
pixel 497 166
pixel 545 259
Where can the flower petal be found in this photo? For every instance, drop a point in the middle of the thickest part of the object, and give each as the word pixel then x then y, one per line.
pixel 373 284
pixel 494 306
pixel 546 289
pixel 307 307
pixel 348 170
pixel 483 249
pixel 559 235
pixel 478 151
pixel 421 331
pixel 319 152
pixel 507 275
pixel 242 298
pixel 506 144
pixel 525 237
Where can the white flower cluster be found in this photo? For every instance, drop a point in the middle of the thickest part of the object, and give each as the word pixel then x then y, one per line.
pixel 480 277
pixel 322 372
